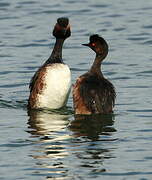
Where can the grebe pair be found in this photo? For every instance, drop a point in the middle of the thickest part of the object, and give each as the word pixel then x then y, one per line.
pixel 50 86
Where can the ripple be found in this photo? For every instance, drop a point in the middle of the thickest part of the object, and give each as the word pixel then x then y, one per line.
pixel 78 69
pixel 111 63
pixel 13 104
pixel 147 27
pixel 2 4
pixel 100 5
pixel 30 27
pixel 6 72
pixel 54 11
pixel 13 85
pixel 137 38
pixel 4 103
pixel 140 110
pixel 149 42
pixel 132 65
pixel 9 17
pixel 81 64
pixel 17 143
pixel 148 158
pixel 145 116
pixel 145 130
pixel 31 45
pixel 49 12
pixel 51 112
pixel 140 86
pixel 33 68
pixel 110 73
pixel 147 73
pixel 128 173
pixel 122 78
pixel 119 29
pixel 114 15
pixel 41 40
pixel 27 2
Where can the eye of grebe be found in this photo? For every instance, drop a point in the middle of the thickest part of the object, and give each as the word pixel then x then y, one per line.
pixel 93 44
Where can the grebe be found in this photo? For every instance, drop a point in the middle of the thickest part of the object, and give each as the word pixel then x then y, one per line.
pixel 92 93
pixel 50 85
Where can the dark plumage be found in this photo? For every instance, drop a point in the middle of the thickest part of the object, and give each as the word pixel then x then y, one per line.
pixel 92 93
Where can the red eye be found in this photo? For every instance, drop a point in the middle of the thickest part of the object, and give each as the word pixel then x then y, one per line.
pixel 93 44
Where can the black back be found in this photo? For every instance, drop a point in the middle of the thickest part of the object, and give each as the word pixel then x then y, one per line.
pixel 98 93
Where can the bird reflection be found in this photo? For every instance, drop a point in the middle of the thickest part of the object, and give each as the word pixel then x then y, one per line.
pixel 46 122
pixel 99 129
pixel 57 146
pixel 92 126
pixel 47 128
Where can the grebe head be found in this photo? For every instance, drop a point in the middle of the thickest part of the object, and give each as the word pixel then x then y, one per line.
pixel 98 44
pixel 62 28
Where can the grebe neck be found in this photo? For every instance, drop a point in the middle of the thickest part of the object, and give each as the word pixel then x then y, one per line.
pixel 56 55
pixel 96 67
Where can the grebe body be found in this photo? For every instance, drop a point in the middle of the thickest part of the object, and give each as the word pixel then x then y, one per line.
pixel 53 87
pixel 92 93
pixel 50 85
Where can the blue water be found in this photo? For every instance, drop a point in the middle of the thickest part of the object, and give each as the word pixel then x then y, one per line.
pixel 56 145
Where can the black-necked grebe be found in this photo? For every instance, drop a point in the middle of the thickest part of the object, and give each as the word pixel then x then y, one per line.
pixel 92 93
pixel 50 85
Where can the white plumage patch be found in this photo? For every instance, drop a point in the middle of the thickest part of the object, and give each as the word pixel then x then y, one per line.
pixel 57 84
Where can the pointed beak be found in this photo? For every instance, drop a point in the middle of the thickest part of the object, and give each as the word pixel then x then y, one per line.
pixel 85 44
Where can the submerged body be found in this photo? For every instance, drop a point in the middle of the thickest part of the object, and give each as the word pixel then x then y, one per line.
pixel 92 93
pixel 50 85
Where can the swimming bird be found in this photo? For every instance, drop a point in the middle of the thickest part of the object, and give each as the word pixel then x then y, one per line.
pixel 92 93
pixel 50 85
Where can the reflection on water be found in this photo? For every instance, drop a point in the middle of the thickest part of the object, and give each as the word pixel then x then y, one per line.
pixel 48 127
pixel 92 126
pixel 60 141
pixel 43 123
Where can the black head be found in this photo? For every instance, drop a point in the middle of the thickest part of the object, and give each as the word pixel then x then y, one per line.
pixel 62 28
pixel 97 44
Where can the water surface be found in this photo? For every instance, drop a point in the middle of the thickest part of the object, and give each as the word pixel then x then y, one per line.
pixel 57 145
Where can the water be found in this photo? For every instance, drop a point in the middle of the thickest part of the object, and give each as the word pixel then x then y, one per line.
pixel 57 145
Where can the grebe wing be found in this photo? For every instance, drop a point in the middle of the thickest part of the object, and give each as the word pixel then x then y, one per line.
pixel 98 94
pixel 35 77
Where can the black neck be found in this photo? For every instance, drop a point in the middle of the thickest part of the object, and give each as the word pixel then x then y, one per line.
pixel 56 55
pixel 96 67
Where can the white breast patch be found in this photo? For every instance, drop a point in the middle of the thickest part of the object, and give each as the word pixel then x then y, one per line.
pixel 57 87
